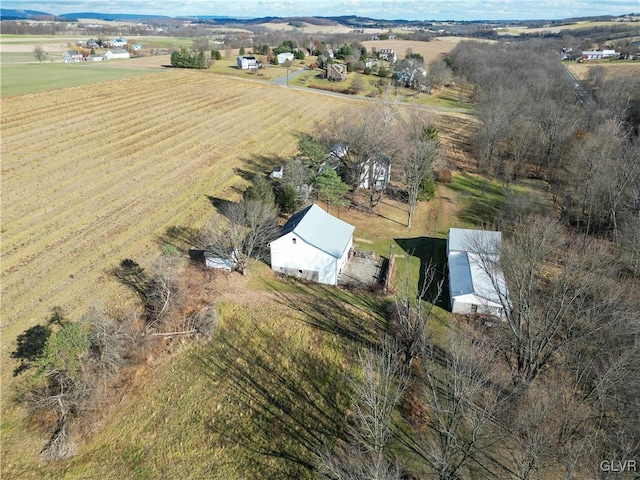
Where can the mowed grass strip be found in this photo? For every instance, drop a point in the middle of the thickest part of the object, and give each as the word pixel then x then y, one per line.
pixel 20 79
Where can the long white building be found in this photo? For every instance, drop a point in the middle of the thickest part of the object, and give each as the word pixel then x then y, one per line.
pixel 476 284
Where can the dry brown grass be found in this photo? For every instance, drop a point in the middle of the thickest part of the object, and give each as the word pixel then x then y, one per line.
pixel 436 49
pixel 92 175
pixel 581 70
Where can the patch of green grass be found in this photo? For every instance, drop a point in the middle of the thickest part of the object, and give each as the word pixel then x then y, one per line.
pixel 481 199
pixel 36 77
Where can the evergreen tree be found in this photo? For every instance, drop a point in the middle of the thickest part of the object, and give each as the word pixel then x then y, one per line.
pixel 330 187
pixel 260 189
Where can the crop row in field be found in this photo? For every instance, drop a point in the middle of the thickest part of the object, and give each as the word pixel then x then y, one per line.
pixel 91 177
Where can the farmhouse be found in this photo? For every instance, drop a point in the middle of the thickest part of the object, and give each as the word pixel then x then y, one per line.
pixel 72 56
pixel 247 62
pixel 376 173
pixel 314 245
pixel 116 53
pixel 476 284
pixel 336 72
pixel 387 54
pixel 285 57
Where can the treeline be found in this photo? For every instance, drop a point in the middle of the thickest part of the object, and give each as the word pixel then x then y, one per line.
pixel 536 122
pixel 184 58
pixel 571 342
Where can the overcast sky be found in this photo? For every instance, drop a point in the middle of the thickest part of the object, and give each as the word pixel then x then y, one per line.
pixel 383 9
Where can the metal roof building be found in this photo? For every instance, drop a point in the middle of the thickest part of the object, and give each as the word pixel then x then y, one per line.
pixel 314 245
pixel 476 283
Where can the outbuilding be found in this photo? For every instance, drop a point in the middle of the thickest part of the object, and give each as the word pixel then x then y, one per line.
pixel 476 283
pixel 313 245
pixel 285 57
pixel 116 53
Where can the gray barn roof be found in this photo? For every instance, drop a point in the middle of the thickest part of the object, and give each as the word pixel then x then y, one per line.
pixel 466 272
pixel 320 229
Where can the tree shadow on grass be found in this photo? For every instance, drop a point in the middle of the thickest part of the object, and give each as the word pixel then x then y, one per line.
pixel 282 401
pixel 481 199
pixel 430 251
pixel 220 204
pixel 30 345
pixel 354 316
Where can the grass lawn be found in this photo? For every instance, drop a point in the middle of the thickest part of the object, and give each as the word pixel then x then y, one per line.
pixel 38 77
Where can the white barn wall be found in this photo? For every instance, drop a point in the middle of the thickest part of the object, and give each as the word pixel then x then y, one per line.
pixel 287 255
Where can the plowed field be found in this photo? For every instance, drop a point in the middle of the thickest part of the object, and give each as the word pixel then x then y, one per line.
pixel 92 175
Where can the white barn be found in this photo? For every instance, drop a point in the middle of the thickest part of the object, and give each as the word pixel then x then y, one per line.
pixel 472 289
pixel 116 53
pixel 313 245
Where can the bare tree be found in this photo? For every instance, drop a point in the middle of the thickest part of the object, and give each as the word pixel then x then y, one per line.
pixel 411 311
pixel 163 296
pixel 551 284
pixel 376 394
pixel 368 148
pixel 40 53
pixel 107 339
pixel 244 234
pixel 462 398
pixel 418 153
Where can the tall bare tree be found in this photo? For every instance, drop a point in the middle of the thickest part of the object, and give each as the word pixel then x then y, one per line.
pixel 411 311
pixel 550 300
pixel 376 394
pixel 418 154
pixel 462 397
pixel 244 233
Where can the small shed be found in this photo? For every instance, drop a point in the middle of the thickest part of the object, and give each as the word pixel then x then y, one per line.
pixel 476 284
pixel 313 245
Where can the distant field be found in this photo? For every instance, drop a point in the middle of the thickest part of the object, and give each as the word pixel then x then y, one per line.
pixel 558 29
pixel 36 77
pixel 431 51
pixel 625 68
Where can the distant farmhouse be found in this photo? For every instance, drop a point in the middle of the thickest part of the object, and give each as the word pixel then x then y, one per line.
pixel 337 72
pixel 285 57
pixel 313 245
pixel 387 54
pixel 118 42
pixel 72 56
pixel 247 62
pixel 473 290
pixel 598 54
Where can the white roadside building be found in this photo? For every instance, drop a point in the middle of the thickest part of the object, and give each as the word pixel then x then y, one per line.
pixel 476 284
pixel 313 245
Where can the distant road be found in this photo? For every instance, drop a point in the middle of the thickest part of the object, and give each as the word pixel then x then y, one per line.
pixel 584 97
